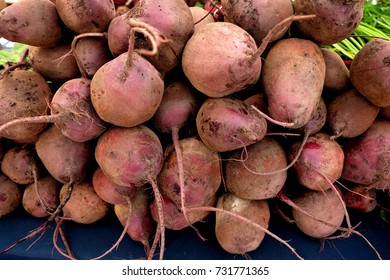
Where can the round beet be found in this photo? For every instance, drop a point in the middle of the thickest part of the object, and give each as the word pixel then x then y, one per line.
pixel 84 205
pixel 66 160
pixel 137 217
pixel 319 213
pixel 129 156
pixel 40 199
pixel 226 60
pixel 23 94
pixel 54 63
pixel 236 236
pixel 243 170
pixel 335 19
pixel 84 16
pixel 258 17
pixel 370 71
pixel 20 164
pixel 350 114
pixel 127 90
pixel 320 162
pixel 31 22
pixel 10 195
pixel 226 124
pixel 110 192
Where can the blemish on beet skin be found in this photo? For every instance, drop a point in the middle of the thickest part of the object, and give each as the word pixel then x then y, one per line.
pixel 3 197
pixel 312 145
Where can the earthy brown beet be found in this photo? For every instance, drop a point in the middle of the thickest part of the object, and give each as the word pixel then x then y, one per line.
pixel 179 103
pixel 91 53
pixel 201 16
pixel 370 70
pixel 236 236
pixel 66 160
pixel 226 124
pixel 367 156
pixel 129 156
pixel 337 73
pixel 110 192
pixel 10 195
pixel 173 20
pixel 293 77
pixel 31 22
pixel 258 17
pixel 77 119
pixel 174 218
pixel 228 66
pixel 84 16
pixel 23 93
pixel 320 163
pixel 267 155
pixel 360 198
pixel 335 19
pixel 53 63
pixel 350 114
pixel 327 209
pixel 136 214
pixel 40 199
pixel 118 34
pixel 317 120
pixel 84 205
pixel 202 172
pixel 20 165
pixel 127 90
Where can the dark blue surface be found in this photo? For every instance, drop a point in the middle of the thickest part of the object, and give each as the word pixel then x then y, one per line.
pixel 89 241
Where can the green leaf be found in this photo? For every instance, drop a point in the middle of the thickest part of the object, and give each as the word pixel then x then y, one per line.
pixel 385 216
pixel 12 55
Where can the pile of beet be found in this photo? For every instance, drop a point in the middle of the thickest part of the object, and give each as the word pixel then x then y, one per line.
pixel 162 113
